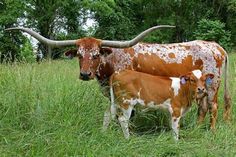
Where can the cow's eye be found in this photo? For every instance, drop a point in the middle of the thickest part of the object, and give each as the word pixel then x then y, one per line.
pixel 95 56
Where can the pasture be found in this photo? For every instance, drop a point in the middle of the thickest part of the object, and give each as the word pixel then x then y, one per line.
pixel 45 110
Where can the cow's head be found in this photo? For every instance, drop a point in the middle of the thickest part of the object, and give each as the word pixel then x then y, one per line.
pixel 197 82
pixel 89 52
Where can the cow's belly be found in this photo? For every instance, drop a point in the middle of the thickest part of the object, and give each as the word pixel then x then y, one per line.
pixel 156 66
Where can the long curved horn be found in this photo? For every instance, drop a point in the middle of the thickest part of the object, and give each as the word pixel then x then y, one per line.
pixel 107 43
pixel 53 43
pixel 124 44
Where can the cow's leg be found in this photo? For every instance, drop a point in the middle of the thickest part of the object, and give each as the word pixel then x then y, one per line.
pixel 202 109
pixel 213 116
pixel 124 119
pixel 110 112
pixel 106 119
pixel 213 104
pixel 113 105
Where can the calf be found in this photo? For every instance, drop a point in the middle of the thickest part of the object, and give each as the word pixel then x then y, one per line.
pixel 130 88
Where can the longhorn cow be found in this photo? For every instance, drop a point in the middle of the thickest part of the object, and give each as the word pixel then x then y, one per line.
pixel 101 58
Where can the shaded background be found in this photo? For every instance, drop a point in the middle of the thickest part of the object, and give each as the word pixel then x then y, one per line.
pixel 115 20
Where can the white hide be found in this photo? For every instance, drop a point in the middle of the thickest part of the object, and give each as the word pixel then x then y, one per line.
pixel 175 85
pixel 197 73
pixel 113 105
pixel 175 127
pixel 124 121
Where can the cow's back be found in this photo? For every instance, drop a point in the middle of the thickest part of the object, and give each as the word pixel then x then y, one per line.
pixel 180 58
pixel 172 60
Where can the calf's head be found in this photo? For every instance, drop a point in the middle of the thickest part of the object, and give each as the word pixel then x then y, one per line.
pixel 89 53
pixel 197 82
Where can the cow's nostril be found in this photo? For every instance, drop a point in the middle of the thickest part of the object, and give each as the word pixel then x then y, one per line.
pixel 84 76
pixel 89 74
pixel 199 89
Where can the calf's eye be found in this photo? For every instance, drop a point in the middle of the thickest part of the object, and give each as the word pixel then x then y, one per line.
pixel 192 80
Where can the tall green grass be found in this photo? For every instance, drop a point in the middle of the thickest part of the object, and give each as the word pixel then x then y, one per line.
pixel 45 110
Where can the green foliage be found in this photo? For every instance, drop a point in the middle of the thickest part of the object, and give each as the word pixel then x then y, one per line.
pixel 231 19
pixel 115 20
pixel 46 111
pixel 10 42
pixel 213 31
pixel 27 52
pixel 51 17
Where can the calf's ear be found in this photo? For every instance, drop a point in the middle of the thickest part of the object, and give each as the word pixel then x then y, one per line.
pixel 71 53
pixel 209 78
pixel 184 79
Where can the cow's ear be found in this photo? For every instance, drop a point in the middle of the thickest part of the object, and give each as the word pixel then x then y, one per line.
pixel 105 51
pixel 71 53
pixel 184 79
pixel 209 77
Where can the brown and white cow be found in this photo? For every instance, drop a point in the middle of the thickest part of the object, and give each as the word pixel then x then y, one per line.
pixel 130 88
pixel 101 58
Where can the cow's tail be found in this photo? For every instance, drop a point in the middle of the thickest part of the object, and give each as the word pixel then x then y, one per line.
pixel 227 98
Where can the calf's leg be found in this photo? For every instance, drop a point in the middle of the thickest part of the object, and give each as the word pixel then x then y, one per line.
pixel 175 118
pixel 124 119
pixel 202 109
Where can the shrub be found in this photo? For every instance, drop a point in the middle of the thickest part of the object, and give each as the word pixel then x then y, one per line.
pixel 213 30
pixel 27 52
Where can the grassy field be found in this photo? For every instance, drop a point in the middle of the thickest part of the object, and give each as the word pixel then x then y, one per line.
pixel 46 111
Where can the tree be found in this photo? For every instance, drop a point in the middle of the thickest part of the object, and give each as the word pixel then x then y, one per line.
pixel 115 18
pixel 231 20
pixel 27 52
pixel 55 19
pixel 213 31
pixel 41 14
pixel 10 42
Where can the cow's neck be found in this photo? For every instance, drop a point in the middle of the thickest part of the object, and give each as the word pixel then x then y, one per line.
pixel 103 74
pixel 114 62
pixel 105 70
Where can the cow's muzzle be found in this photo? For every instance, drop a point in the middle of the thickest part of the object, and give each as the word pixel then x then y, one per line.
pixel 85 76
